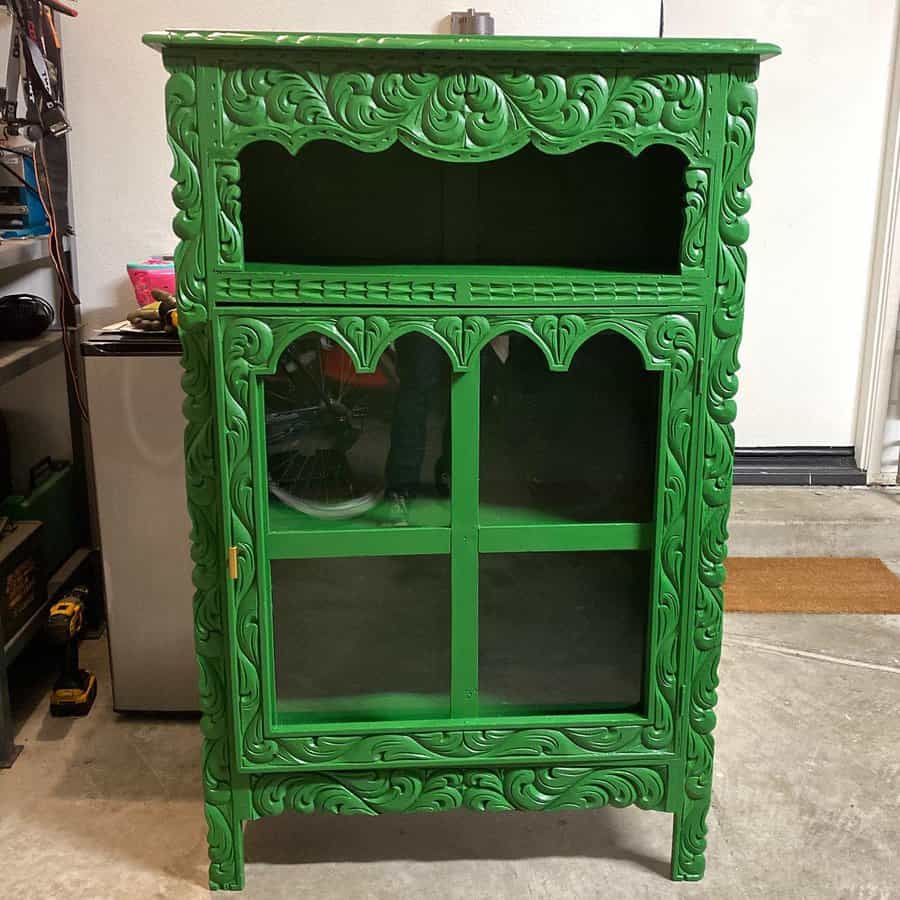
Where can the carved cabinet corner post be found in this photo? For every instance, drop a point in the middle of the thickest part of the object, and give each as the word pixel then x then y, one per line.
pixel 460 320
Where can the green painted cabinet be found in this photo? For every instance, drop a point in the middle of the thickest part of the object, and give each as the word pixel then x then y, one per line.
pixel 460 320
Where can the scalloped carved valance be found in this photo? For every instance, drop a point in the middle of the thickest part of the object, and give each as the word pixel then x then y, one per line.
pixel 470 114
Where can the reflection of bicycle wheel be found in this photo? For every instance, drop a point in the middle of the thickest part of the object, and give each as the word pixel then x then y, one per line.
pixel 317 411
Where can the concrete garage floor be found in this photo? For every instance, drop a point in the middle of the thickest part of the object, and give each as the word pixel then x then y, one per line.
pixel 805 799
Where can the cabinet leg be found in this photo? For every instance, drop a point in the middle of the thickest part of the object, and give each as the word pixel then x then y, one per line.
pixel 225 828
pixel 226 851
pixel 689 839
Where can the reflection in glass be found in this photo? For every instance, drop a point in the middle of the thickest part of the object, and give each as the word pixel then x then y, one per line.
pixel 562 632
pixel 373 448
pixel 575 446
pixel 361 639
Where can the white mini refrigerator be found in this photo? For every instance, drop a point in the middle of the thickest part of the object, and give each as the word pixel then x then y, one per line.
pixel 137 431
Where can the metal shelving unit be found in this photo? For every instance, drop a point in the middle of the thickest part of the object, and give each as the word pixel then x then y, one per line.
pixel 18 251
pixel 16 358
pixel 21 256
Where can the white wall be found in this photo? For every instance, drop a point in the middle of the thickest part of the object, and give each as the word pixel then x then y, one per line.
pixel 816 170
pixel 816 174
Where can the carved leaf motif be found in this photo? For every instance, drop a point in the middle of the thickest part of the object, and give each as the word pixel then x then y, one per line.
pixel 475 331
pixel 228 189
pixel 693 241
pixel 556 105
pixel 365 336
pixel 571 330
pixel 546 328
pixel 450 328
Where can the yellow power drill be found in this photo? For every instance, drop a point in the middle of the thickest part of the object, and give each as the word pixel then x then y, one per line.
pixel 76 688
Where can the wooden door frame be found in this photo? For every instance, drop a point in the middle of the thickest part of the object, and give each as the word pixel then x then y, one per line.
pixel 884 298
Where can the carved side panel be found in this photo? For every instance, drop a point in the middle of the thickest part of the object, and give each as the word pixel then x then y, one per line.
pixel 225 854
pixel 210 630
pixel 423 790
pixel 188 225
pixel 252 346
pixel 706 627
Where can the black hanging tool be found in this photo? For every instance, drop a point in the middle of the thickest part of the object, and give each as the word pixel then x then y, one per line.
pixel 32 32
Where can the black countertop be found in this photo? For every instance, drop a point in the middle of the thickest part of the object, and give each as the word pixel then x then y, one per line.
pixel 130 344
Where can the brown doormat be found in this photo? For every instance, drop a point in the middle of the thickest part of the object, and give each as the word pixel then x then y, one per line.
pixel 811 585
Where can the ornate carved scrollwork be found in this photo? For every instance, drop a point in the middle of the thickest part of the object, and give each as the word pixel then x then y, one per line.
pixel 424 790
pixel 472 114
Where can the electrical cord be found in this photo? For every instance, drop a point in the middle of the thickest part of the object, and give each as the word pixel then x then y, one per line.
pixel 68 292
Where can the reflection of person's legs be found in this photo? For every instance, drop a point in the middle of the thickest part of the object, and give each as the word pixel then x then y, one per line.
pixel 419 368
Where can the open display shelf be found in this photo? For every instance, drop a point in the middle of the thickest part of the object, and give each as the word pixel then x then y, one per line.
pixel 460 320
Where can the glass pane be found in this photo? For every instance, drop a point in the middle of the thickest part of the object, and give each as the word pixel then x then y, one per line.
pixel 562 632
pixel 575 446
pixel 361 639
pixel 358 450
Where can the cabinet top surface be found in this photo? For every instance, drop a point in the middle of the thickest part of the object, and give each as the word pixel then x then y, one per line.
pixel 628 46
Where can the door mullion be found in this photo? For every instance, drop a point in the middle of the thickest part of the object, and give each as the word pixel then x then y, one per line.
pixel 464 422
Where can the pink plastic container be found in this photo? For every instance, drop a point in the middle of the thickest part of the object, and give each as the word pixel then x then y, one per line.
pixel 156 273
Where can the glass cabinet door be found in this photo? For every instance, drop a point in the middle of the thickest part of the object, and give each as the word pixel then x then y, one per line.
pixel 419 572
